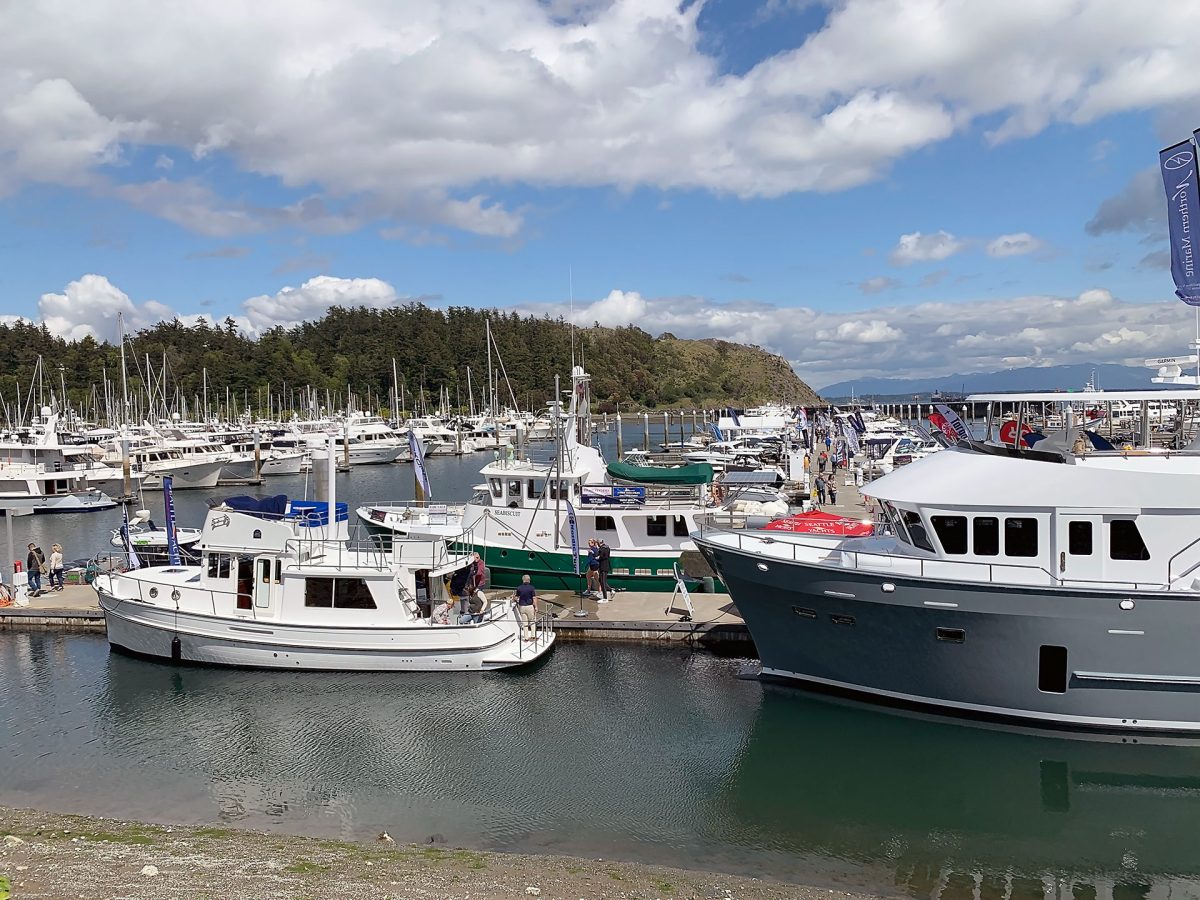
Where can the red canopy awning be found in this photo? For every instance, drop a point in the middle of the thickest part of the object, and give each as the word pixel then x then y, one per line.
pixel 816 522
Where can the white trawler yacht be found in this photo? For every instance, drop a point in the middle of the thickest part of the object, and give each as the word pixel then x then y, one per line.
pixel 281 585
pixel 1054 578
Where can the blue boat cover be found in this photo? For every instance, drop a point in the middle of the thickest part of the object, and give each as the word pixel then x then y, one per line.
pixel 314 513
pixel 275 507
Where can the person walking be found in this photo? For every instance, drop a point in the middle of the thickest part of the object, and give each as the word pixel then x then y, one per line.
pixel 823 461
pixel 604 558
pixel 56 567
pixel 831 489
pixel 35 565
pixel 820 486
pixel 525 596
pixel 593 566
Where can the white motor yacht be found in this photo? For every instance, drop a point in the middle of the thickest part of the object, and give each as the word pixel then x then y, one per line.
pixel 283 586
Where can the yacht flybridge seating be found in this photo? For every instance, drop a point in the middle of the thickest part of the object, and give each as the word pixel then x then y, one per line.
pixel 1048 574
pixel 284 585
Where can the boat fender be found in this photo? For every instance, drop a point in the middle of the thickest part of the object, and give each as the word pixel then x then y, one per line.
pixel 176 649
pixel 1008 431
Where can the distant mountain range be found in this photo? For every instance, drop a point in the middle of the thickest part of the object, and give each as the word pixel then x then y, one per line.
pixel 1048 378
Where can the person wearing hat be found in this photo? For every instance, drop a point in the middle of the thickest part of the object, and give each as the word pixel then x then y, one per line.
pixel 35 563
pixel 525 597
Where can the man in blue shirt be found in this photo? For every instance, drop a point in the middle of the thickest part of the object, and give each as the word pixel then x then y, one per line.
pixel 526 600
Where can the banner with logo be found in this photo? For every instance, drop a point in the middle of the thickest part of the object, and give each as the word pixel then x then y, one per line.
pixel 952 419
pixel 574 526
pixel 1182 183
pixel 418 458
pixel 169 506
pixel 134 562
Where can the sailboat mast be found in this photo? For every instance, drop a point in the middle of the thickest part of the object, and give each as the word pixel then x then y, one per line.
pixel 124 377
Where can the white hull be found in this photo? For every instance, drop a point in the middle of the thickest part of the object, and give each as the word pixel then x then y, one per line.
pixel 59 503
pixel 149 630
pixel 285 464
pixel 192 476
pixel 375 456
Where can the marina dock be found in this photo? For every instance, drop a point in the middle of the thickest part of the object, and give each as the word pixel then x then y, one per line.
pixel 632 615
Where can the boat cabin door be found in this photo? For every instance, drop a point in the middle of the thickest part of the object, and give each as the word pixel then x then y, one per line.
pixel 1078 552
pixel 268 584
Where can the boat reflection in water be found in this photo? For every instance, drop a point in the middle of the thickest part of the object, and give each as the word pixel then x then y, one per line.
pixel 952 809
pixel 643 753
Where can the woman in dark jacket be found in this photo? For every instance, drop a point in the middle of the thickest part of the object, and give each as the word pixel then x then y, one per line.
pixel 604 557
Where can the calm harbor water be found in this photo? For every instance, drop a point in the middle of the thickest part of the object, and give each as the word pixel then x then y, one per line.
pixel 634 752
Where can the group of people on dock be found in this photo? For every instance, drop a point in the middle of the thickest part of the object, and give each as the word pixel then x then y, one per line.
pixel 37 565
pixel 599 566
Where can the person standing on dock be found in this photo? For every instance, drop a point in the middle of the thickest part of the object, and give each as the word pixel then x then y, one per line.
pixel 56 567
pixel 35 562
pixel 593 566
pixel 604 558
pixel 819 484
pixel 526 598
pixel 831 488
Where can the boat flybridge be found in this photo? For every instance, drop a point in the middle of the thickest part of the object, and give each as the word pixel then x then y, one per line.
pixel 1051 576
pixel 283 585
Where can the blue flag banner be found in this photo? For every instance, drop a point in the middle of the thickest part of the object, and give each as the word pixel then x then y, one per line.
pixel 1180 179
pixel 419 464
pixel 169 507
pixel 134 562
pixel 574 526
pixel 716 432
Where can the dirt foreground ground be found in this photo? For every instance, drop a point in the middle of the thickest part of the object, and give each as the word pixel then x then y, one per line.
pixel 46 855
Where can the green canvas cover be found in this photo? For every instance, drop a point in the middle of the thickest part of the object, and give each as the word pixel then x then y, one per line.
pixel 698 473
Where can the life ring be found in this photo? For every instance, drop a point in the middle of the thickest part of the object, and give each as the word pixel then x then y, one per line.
pixel 1008 432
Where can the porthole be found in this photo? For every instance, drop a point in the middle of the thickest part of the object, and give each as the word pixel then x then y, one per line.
pixel 153 592
pixel 257 534
pixel 762 567
pixel 804 612
pixel 837 619
pixel 531 556
pixel 951 635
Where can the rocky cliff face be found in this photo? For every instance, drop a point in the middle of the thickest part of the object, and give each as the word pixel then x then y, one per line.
pixel 710 371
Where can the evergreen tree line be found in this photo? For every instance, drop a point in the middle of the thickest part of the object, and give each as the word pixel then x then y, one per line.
pixel 351 349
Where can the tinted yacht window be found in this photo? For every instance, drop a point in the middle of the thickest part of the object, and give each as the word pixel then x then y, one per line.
pixel 1079 538
pixel 1125 541
pixel 987 536
pixel 1020 537
pixel 916 530
pixel 952 532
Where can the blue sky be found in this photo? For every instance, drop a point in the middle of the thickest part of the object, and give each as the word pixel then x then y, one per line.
pixel 828 181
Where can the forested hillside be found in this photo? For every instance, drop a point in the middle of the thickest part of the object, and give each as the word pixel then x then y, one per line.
pixel 432 347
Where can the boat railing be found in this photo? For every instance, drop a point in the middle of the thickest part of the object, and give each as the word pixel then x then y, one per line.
pixel 1171 578
pixel 1013 574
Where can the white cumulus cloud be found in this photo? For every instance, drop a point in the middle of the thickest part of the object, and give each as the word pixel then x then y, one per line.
pixel 1017 244
pixel 412 113
pixel 918 247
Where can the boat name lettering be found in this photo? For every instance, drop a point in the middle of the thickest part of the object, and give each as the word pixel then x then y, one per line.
pixel 220 522
pixel 616 495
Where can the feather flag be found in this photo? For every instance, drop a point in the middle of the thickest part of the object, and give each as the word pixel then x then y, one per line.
pixel 134 562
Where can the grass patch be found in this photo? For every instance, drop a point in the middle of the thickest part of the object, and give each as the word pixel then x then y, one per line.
pixel 218 833
pixel 615 875
pixel 663 887
pixel 119 837
pixel 305 867
pixel 574 870
pixel 5 888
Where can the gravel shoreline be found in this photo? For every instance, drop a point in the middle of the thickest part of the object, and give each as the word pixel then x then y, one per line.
pixel 48 855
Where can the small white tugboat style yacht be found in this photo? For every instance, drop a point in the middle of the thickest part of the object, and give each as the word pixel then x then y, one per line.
pixel 1051 577
pixel 281 585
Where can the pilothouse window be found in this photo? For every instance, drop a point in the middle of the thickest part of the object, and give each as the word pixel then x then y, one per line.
pixel 986 534
pixel 1125 541
pixel 952 532
pixel 916 530
pixel 1020 537
pixel 656 526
